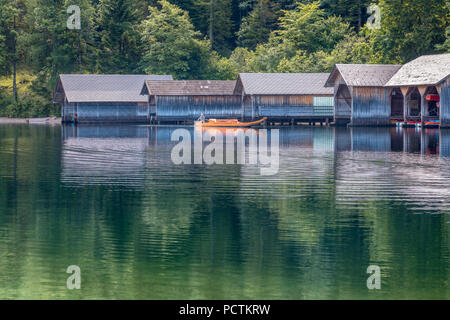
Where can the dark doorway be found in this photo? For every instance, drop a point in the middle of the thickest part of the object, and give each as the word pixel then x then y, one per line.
pixel 432 103
pixel 396 104
pixel 414 103
pixel 343 102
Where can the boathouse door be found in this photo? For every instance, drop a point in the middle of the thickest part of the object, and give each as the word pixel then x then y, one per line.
pixel 396 104
pixel 414 104
pixel 343 102
pixel 432 101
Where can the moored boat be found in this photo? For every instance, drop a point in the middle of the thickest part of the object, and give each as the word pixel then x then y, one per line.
pixel 432 124
pixel 228 123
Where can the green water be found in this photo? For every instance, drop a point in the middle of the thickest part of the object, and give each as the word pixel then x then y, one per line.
pixel 109 200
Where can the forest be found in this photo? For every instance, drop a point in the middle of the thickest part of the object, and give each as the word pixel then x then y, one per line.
pixel 202 39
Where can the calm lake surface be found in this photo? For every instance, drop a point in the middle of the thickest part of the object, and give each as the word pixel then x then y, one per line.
pixel 110 200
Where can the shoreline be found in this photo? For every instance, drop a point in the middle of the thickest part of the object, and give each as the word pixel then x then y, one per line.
pixel 45 120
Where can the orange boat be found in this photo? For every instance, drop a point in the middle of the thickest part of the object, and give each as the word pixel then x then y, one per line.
pixel 227 123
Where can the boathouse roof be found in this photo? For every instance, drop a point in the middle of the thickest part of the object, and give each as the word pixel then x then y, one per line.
pixel 189 88
pixel 102 88
pixel 425 70
pixel 283 84
pixel 363 75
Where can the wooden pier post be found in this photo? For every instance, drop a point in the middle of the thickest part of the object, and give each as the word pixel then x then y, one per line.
pixel 422 90
pixel 438 88
pixel 405 103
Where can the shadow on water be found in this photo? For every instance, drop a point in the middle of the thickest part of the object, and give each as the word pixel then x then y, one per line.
pixel 110 200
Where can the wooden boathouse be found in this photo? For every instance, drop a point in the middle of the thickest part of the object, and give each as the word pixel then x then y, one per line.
pixel 360 95
pixel 423 89
pixel 103 98
pixel 186 100
pixel 285 96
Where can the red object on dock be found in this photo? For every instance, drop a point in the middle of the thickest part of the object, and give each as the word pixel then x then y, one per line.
pixel 433 97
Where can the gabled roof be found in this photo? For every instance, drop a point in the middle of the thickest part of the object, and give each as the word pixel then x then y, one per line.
pixel 284 83
pixel 189 88
pixel 103 88
pixel 425 70
pixel 363 75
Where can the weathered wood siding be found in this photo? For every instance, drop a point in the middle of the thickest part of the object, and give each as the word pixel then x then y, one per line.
pixel 343 109
pixel 342 99
pixel 445 104
pixel 68 112
pixel 106 112
pixel 188 108
pixel 371 106
pixel 288 106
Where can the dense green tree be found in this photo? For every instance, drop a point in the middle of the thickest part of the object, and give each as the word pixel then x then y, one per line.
pixel 3 32
pixel 258 25
pixel 12 26
pixel 199 12
pixel 410 28
pixel 445 47
pixel 171 44
pixel 131 36
pixel 214 19
pixel 221 26
pixel 304 31
pixel 117 37
pixel 52 47
pixel 354 12
pixel 308 28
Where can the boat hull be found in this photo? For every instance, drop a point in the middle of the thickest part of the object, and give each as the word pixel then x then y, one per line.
pixel 213 123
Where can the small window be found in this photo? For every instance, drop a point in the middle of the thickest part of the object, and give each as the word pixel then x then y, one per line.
pixel 323 101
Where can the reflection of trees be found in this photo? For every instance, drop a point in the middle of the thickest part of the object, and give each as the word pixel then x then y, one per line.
pixel 222 231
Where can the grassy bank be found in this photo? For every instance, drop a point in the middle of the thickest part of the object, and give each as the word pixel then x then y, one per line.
pixel 48 120
pixel 29 104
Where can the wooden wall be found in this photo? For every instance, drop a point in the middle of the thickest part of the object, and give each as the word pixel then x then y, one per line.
pixel 189 108
pixel 342 100
pixel 445 104
pixel 106 112
pixel 286 107
pixel 371 106
pixel 343 103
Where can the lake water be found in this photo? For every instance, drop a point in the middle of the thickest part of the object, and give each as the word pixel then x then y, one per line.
pixel 110 200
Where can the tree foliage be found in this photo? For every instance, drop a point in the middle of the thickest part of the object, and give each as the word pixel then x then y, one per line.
pixel 117 36
pixel 171 45
pixel 200 39
pixel 258 25
pixel 410 28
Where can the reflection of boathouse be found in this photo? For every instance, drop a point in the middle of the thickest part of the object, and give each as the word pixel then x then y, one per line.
pixel 105 155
